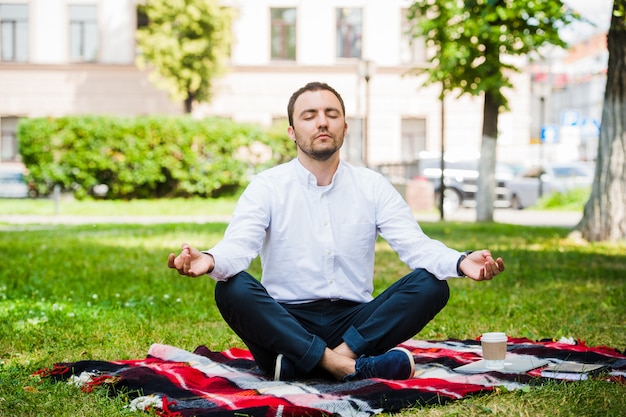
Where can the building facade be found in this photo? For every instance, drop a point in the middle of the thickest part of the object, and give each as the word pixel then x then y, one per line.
pixel 60 57
pixel 568 98
pixel 66 57
pixel 360 48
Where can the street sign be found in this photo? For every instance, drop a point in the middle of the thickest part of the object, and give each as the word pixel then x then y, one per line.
pixel 549 134
pixel 590 127
pixel 570 118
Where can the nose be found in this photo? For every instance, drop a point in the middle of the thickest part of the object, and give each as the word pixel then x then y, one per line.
pixel 322 120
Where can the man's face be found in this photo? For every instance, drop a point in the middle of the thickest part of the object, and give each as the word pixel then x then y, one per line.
pixel 319 125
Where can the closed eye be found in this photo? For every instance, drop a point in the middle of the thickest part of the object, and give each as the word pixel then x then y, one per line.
pixel 309 114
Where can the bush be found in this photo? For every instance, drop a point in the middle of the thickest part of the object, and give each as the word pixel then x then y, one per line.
pixel 146 157
pixel 574 199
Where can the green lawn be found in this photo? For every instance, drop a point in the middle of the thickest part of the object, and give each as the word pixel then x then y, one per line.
pixel 68 206
pixel 104 292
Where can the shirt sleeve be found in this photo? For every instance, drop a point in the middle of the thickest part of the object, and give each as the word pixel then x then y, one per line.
pixel 245 233
pixel 397 225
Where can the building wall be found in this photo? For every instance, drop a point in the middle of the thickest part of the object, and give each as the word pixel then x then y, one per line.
pixel 571 84
pixel 49 30
pixel 60 90
pixel 49 84
pixel 255 88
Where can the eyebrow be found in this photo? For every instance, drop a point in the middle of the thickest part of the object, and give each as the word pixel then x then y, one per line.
pixel 326 110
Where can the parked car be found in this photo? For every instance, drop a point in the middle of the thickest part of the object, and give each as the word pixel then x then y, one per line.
pixel 526 188
pixel 13 184
pixel 460 180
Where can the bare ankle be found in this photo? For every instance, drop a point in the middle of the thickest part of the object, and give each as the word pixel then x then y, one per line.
pixel 336 364
pixel 344 350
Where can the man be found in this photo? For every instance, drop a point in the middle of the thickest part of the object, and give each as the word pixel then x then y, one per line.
pixel 314 221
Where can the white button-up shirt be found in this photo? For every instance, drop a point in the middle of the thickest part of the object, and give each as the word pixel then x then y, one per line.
pixel 319 242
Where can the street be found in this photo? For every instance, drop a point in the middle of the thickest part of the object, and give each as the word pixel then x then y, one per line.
pixel 510 216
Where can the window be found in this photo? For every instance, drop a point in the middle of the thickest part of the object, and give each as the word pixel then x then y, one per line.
pixel 413 138
pixel 14 32
pixel 83 33
pixel 352 149
pixel 349 33
pixel 412 50
pixel 9 151
pixel 283 27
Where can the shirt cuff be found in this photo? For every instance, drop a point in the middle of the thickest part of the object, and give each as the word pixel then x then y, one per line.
pixel 216 273
pixel 458 263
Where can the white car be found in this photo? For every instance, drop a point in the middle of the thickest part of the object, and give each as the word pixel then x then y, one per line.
pixel 460 180
pixel 535 182
pixel 13 184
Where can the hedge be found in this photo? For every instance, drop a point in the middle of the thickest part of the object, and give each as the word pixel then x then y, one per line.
pixel 147 157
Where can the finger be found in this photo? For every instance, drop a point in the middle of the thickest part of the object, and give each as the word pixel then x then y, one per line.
pixel 492 262
pixel 170 260
pixel 176 262
pixel 493 268
pixel 496 263
pixel 186 262
pixel 500 264
pixel 481 274
pixel 488 271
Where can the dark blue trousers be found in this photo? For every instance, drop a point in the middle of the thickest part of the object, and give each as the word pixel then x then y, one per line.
pixel 302 331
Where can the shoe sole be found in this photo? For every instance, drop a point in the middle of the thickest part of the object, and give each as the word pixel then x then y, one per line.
pixel 410 356
pixel 278 367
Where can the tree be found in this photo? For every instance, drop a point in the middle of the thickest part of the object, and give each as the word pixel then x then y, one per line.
pixel 472 41
pixel 185 44
pixel 604 216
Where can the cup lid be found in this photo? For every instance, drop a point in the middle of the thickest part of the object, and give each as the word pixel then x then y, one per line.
pixel 493 337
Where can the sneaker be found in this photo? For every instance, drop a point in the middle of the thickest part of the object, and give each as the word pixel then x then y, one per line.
pixel 396 363
pixel 285 370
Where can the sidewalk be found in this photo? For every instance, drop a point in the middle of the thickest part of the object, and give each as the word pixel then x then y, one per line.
pixel 509 216
pixel 128 219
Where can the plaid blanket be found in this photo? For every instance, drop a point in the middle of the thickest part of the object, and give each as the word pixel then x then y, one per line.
pixel 175 382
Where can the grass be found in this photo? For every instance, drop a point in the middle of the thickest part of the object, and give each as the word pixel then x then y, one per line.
pixel 103 291
pixel 572 200
pixel 70 207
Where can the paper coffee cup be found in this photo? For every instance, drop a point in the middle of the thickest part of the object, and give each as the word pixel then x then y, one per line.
pixel 494 349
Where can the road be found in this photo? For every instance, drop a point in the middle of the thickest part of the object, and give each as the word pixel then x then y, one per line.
pixel 510 216
pixel 522 217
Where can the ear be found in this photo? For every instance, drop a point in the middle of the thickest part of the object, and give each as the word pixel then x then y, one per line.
pixel 291 133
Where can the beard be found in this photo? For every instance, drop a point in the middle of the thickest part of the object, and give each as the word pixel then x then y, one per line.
pixel 319 151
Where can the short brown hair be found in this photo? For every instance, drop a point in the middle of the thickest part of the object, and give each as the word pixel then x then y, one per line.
pixel 313 86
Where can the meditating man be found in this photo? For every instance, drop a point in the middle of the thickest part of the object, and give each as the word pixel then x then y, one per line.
pixel 314 222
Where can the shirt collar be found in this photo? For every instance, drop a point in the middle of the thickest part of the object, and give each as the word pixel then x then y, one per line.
pixel 308 180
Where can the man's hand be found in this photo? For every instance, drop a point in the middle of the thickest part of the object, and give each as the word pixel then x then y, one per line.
pixel 191 262
pixel 481 266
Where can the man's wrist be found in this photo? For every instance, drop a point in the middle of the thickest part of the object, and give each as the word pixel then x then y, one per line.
pixel 212 266
pixel 458 263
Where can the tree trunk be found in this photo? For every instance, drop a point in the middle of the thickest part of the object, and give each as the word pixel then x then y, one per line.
pixel 604 216
pixel 485 195
pixel 188 102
